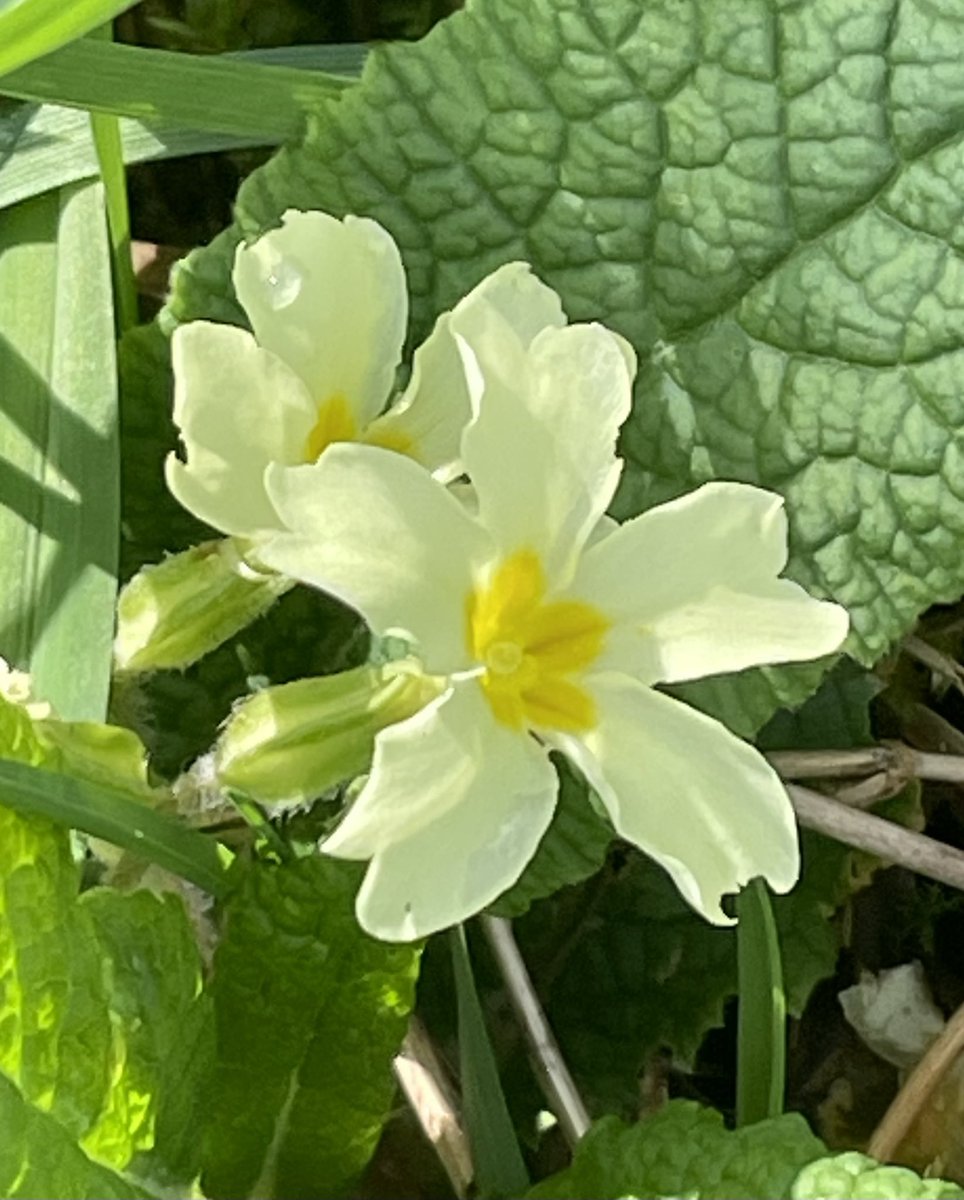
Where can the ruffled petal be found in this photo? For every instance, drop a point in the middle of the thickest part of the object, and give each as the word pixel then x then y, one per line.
pixel 428 421
pixel 329 298
pixel 238 408
pixel 454 809
pixel 702 803
pixel 695 583
pixel 541 446
pixel 375 529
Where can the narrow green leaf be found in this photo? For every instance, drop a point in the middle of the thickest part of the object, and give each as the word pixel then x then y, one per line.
pixel 117 817
pixel 761 1036
pixel 499 1167
pixel 58 444
pixel 45 146
pixel 309 1013
pixel 31 28
pixel 110 160
pixel 221 94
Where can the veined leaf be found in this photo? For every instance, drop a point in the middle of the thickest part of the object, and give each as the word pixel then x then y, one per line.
pixel 309 1011
pixel 58 447
pixel 100 1026
pixel 31 28
pixel 760 195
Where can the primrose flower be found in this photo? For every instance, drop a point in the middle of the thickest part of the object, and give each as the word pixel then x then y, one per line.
pixel 328 306
pixel 549 626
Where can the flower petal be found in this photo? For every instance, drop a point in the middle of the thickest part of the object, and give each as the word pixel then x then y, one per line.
pixel 375 529
pixel 455 807
pixel 541 447
pixel 329 298
pixel 428 421
pixel 695 581
pixel 511 296
pixel 703 804
pixel 238 408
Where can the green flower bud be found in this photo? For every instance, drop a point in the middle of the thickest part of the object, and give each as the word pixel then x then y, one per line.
pixel 289 743
pixel 171 614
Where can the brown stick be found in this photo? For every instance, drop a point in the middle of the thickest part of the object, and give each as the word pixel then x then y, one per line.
pixel 423 1081
pixel 551 1069
pixel 917 1089
pixel 845 764
pixel 897 845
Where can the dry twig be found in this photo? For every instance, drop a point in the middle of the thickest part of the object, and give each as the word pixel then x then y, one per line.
pixel 423 1081
pixel 917 1089
pixel 889 841
pixel 554 1077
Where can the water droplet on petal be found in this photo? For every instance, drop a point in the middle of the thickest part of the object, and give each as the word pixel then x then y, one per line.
pixel 284 284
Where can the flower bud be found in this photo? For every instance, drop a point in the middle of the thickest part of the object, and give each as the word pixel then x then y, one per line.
pixel 173 613
pixel 290 743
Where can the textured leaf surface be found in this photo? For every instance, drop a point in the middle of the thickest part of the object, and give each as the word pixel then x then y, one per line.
pixel 309 1012
pixel 97 1003
pixel 684 1150
pixel 39 1158
pixel 762 196
pixel 854 1176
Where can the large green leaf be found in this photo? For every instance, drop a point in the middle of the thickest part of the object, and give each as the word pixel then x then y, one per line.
pixel 30 28
pixel 58 443
pixel 761 195
pixel 310 1011
pixel 100 1027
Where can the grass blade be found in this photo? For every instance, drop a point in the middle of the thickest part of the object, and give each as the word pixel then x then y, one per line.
pixel 499 1168
pixel 117 817
pixel 31 28
pixel 46 146
pixel 110 160
pixel 761 1034
pixel 221 94
pixel 58 448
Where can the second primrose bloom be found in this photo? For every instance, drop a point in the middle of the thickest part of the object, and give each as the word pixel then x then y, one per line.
pixel 328 307
pixel 548 627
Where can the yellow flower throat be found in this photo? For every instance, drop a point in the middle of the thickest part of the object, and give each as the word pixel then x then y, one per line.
pixel 336 423
pixel 531 648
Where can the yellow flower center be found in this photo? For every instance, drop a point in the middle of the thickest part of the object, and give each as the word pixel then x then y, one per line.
pixel 532 648
pixel 336 423
pixel 389 439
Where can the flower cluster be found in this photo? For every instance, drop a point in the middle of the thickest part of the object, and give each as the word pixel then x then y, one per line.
pixel 544 624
